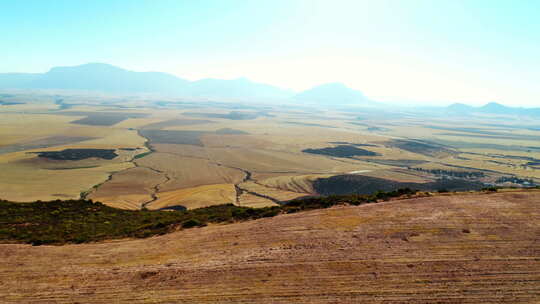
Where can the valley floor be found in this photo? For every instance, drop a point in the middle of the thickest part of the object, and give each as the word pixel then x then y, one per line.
pixel 472 248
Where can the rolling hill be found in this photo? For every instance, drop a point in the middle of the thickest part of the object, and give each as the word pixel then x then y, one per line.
pixel 467 248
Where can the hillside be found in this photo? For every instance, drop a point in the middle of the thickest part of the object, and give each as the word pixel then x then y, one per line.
pixel 467 248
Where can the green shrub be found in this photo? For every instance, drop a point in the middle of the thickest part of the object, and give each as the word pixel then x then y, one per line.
pixel 191 223
pixel 81 221
pixel 490 189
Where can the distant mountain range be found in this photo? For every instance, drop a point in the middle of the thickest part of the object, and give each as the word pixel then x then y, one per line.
pixel 107 78
pixel 102 77
pixel 491 108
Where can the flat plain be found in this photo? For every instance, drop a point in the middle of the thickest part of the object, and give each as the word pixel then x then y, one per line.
pixel 262 155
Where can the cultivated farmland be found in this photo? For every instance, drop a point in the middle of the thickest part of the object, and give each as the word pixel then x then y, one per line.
pixel 174 154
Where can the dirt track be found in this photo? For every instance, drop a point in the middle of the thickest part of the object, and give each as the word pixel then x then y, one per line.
pixel 447 249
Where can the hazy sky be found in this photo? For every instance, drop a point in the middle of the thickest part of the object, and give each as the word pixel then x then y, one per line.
pixel 431 52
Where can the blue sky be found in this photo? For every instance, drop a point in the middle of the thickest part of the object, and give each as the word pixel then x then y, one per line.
pixel 403 51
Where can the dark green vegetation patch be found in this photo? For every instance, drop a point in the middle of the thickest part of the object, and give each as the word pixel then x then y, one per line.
pixel 346 151
pixel 78 154
pixel 141 155
pixel 80 221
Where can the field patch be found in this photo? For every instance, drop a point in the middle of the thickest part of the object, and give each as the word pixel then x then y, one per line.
pixel 128 189
pixel 173 137
pixel 229 131
pixel 187 172
pixel 260 160
pixel 307 124
pixel 273 194
pixel 252 201
pixel 300 184
pixel 233 115
pixel 196 197
pixel 23 180
pixel 46 142
pixel 174 123
pixel 102 118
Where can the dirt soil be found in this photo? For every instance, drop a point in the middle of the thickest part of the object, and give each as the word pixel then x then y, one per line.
pixel 474 248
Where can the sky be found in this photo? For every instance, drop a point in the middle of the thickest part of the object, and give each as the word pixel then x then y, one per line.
pixel 432 52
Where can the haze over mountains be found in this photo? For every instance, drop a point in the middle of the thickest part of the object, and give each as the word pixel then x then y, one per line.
pixel 107 78
pixel 491 108
pixel 330 92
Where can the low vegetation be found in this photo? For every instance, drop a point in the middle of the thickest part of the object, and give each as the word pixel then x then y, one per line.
pixel 78 154
pixel 80 221
pixel 420 147
pixel 460 174
pixel 141 155
pixel 346 151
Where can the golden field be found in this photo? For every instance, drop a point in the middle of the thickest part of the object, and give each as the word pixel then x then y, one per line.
pixel 197 159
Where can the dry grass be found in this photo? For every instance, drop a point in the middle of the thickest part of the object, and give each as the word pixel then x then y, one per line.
pixel 20 181
pixel 447 249
pixel 300 183
pixel 196 197
pixel 253 201
pixel 128 189
pixel 187 172
pixel 275 193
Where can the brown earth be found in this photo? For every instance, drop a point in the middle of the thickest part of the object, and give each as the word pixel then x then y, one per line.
pixel 469 248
